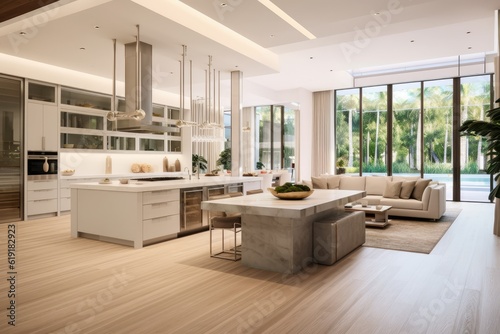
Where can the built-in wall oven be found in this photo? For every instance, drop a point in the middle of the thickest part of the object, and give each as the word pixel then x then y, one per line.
pixel 42 165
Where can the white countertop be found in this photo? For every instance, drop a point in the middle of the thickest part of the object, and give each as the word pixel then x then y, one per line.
pixel 140 186
pixel 266 204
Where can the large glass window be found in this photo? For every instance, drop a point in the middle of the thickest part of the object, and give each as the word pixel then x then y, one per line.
pixel 406 130
pixel 438 116
pixel 474 102
pixel 374 130
pixel 275 137
pixel 347 129
pixel 423 141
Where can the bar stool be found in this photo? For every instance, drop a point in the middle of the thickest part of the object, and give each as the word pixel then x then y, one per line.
pixel 225 222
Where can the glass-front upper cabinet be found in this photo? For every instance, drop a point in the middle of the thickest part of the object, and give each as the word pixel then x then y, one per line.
pixel 149 144
pixel 41 92
pixel 81 121
pixel 81 141
pixel 117 143
pixel 82 98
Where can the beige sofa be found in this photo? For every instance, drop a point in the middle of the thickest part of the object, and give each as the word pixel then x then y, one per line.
pixel 408 196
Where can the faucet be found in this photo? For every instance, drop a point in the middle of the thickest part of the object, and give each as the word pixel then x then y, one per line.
pixel 188 172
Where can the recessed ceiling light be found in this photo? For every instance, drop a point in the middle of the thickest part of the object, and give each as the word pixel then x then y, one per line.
pixel 377 13
pixel 468 32
pixel 412 41
pixel 470 47
pixel 96 27
pixel 272 36
pixel 82 48
pixel 223 4
pixel 311 57
pixel 22 33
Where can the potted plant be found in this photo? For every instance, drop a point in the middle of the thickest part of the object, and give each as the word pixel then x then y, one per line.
pixel 260 165
pixel 491 131
pixel 198 161
pixel 340 166
pixel 225 159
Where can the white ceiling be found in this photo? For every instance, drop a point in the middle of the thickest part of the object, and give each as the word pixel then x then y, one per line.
pixel 349 36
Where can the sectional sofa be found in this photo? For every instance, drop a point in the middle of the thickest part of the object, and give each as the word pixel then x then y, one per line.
pixel 408 196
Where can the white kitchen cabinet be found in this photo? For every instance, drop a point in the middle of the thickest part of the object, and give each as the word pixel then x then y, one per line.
pixel 160 213
pixel 65 192
pixel 41 197
pixel 42 127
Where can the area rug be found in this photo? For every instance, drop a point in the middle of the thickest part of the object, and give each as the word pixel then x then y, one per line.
pixel 410 235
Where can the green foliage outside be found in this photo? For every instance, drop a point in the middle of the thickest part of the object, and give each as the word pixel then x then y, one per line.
pixel 370 125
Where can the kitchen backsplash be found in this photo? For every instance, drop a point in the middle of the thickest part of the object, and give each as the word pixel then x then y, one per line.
pixel 95 163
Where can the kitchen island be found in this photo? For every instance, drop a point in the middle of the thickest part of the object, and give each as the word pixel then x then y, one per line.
pixel 142 212
pixel 277 235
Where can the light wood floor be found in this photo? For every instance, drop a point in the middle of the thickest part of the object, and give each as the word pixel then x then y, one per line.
pixel 67 285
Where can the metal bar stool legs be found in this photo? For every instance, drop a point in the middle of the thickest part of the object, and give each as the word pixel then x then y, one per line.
pixel 233 224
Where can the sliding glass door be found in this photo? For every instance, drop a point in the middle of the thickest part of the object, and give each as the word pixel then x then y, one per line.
pixel 348 129
pixel 11 134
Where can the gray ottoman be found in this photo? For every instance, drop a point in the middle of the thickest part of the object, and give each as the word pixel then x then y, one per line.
pixel 337 236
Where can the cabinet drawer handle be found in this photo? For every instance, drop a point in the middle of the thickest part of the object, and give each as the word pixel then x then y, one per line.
pixel 43 200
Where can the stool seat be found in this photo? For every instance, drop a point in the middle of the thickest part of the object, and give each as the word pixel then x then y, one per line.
pixel 226 222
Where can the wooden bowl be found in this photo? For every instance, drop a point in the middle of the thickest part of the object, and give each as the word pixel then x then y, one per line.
pixel 291 195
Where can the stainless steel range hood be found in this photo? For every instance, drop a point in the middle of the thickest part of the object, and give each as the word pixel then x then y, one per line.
pixel 138 84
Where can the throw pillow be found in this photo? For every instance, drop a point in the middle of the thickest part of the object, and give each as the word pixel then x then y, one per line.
pixel 420 186
pixel 333 181
pixel 319 182
pixel 407 189
pixel 392 189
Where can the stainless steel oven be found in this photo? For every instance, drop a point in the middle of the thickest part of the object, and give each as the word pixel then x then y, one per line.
pixel 42 165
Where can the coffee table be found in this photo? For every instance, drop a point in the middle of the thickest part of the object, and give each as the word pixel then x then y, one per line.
pixel 381 215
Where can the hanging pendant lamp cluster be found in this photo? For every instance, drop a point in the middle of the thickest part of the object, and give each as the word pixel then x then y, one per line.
pixel 208 110
pixel 182 122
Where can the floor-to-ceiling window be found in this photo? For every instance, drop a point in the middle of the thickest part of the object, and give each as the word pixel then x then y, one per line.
pixel 438 117
pixel 347 129
pixel 374 130
pixel 274 137
pixel 474 102
pixel 408 129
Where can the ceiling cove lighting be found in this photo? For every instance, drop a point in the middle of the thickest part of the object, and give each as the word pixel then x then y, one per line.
pixel 287 18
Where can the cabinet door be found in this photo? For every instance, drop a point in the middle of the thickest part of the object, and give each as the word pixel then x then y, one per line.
pixel 34 126
pixel 50 128
pixel 42 127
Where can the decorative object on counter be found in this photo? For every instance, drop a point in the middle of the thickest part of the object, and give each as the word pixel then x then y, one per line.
pixel 124 181
pixel 171 168
pixel 146 168
pixel 177 165
pixel 260 165
pixel 135 168
pixel 105 181
pixel 165 164
pixel 109 165
pixel 291 195
pixel 291 191
pixel 67 172
pixel 45 166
